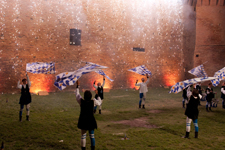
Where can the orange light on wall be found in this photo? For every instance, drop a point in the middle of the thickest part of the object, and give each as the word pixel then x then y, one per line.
pixel 170 79
pixel 40 83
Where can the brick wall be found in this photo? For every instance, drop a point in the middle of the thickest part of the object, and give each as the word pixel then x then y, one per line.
pixel 38 31
pixel 210 35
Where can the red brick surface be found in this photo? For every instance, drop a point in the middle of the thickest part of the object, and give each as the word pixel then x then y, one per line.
pixel 38 31
pixel 210 38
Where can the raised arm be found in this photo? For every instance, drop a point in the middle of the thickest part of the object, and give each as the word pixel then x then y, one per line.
pixel 137 84
pixel 77 92
pixel 28 81
pixel 103 84
pixel 95 85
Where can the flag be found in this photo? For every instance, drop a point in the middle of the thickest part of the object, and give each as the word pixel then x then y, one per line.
pixel 178 87
pixel 142 70
pixel 102 73
pixel 70 78
pixel 41 68
pixel 220 76
pixel 198 71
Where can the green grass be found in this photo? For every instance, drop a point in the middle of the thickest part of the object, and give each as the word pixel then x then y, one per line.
pixel 55 117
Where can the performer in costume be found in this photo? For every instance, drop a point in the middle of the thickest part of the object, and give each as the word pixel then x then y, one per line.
pixel 223 95
pixel 99 88
pixel 97 100
pixel 185 98
pixel 86 120
pixel 25 98
pixel 192 113
pixel 209 97
pixel 142 91
pixel 199 88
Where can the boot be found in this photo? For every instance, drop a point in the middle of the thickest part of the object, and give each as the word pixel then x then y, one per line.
pixel 139 106
pixel 210 109
pixel 28 118
pixel 196 134
pixel 92 147
pixel 83 148
pixel 20 118
pixel 183 105
pixel 94 111
pixel 143 106
pixel 100 111
pixel 207 109
pixel 187 135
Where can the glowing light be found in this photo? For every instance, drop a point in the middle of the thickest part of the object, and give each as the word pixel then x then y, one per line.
pixel 40 83
pixel 170 80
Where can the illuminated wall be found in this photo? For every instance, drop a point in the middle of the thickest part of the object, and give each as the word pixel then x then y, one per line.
pixel 38 31
pixel 210 36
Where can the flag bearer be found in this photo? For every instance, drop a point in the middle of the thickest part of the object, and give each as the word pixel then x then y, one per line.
pixel 209 97
pixel 86 120
pixel 192 113
pixel 25 98
pixel 142 91
pixel 99 88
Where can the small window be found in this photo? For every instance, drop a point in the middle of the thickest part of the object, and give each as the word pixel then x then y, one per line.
pixel 138 49
pixel 75 37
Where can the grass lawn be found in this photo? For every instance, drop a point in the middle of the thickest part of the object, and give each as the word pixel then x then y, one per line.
pixel 55 117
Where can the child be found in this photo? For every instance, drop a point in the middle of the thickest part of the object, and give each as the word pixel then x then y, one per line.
pixel 97 102
pixel 99 88
pixel 142 91
pixel 223 94
pixel 25 98
pixel 86 120
pixel 192 113
pixel 209 97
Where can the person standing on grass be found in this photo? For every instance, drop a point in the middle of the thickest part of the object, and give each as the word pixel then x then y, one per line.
pixel 192 113
pixel 86 120
pixel 209 97
pixel 99 88
pixel 199 88
pixel 25 98
pixel 97 100
pixel 223 95
pixel 142 91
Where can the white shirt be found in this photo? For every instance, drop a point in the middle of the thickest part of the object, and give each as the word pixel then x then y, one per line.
pixel 222 91
pixel 19 86
pixel 143 86
pixel 96 87
pixel 97 102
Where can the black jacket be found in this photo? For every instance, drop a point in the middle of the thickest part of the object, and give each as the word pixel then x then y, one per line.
pixel 25 97
pixel 192 108
pixel 87 120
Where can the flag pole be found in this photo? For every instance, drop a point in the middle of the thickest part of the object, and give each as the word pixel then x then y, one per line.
pixel 204 62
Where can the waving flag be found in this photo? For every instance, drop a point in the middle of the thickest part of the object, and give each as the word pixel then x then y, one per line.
pixel 198 71
pixel 70 78
pixel 41 68
pixel 220 76
pixel 103 73
pixel 178 87
pixel 142 70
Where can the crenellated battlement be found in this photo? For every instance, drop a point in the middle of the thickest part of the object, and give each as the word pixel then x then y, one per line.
pixel 199 3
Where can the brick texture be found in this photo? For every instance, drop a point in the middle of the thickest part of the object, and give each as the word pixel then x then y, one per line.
pixel 210 38
pixel 38 31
